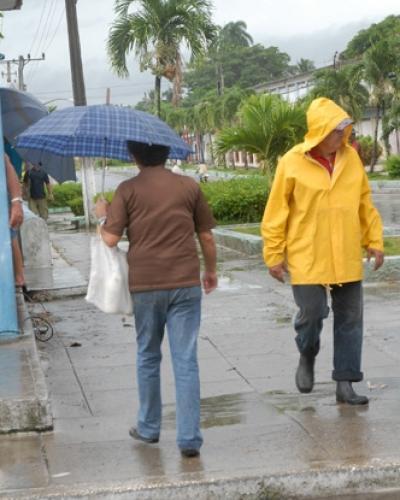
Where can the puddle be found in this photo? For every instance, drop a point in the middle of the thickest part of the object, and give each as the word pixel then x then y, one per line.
pixel 226 283
pixel 219 411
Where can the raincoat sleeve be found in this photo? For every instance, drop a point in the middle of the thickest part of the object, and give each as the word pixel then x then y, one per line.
pixel 273 226
pixel 370 220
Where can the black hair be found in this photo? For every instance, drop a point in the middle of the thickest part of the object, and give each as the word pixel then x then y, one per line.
pixel 148 155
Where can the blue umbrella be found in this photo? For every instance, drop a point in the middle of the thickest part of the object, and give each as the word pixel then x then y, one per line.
pixel 100 131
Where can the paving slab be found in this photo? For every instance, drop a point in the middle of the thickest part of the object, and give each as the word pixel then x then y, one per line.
pixel 262 439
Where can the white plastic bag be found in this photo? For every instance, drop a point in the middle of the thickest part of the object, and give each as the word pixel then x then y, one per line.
pixel 108 287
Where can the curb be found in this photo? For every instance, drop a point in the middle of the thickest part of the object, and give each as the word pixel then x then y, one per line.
pixel 366 483
pixel 31 410
pixel 251 245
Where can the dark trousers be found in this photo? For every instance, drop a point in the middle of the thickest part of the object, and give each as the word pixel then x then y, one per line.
pixel 347 307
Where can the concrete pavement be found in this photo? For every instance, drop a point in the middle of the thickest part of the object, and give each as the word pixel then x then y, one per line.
pixel 262 439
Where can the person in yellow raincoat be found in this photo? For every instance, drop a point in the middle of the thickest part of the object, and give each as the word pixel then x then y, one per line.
pixel 318 217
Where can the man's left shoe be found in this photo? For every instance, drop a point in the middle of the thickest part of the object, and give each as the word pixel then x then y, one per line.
pixel 189 452
pixel 346 394
pixel 135 435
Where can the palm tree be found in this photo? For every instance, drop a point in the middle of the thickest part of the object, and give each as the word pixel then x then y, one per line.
pixel 234 34
pixel 379 64
pixel 269 126
pixel 344 87
pixel 155 32
pixel 304 66
pixel 228 37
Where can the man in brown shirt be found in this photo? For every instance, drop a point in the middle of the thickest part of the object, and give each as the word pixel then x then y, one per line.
pixel 161 212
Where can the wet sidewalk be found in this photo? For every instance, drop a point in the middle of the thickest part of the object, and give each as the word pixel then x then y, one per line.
pixel 262 439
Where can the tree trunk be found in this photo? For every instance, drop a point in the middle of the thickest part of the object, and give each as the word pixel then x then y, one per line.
pixel 385 131
pixel 375 145
pixel 246 161
pixel 201 147
pixel 177 84
pixel 232 160
pixel 211 149
pixel 157 95
pixel 220 79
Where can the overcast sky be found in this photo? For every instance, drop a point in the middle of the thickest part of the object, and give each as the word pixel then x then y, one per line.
pixel 312 29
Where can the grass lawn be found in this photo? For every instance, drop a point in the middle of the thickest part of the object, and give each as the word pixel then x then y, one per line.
pixel 391 243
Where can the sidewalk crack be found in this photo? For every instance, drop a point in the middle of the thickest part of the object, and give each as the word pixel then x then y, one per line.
pixel 233 368
pixel 78 381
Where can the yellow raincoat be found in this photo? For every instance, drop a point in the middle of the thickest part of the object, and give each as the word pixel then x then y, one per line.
pixel 316 222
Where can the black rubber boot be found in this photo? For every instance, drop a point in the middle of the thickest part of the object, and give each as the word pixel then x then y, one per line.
pixel 346 394
pixel 305 373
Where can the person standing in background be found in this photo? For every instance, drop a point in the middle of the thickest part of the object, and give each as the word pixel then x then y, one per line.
pixel 38 185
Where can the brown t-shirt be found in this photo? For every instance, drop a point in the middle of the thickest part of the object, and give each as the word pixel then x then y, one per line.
pixel 162 212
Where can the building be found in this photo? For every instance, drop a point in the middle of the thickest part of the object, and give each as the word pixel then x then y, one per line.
pixel 297 86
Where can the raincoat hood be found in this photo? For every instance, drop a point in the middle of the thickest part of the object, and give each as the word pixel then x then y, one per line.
pixel 323 116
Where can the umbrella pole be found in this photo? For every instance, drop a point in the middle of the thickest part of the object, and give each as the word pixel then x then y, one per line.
pixel 103 176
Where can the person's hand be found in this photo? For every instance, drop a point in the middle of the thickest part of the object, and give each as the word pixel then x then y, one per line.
pixel 378 256
pixel 278 272
pixel 16 215
pixel 50 196
pixel 210 281
pixel 101 208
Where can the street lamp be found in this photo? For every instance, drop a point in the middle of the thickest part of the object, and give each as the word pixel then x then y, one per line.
pixel 57 99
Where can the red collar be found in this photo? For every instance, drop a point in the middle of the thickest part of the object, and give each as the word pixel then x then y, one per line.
pixel 328 163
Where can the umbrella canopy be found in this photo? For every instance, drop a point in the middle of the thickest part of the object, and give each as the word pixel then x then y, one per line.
pixel 61 168
pixel 100 131
pixel 19 110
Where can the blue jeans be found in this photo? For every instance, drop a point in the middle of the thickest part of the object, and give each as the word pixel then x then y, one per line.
pixel 347 306
pixel 180 310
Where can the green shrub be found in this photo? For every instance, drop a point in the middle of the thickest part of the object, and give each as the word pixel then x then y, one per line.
pixel 64 193
pixel 76 205
pixel 366 146
pixel 108 195
pixel 112 162
pixel 237 200
pixel 392 165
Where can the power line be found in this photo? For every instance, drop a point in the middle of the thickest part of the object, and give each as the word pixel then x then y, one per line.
pixel 61 18
pixel 33 72
pixel 46 23
pixel 38 26
pixel 49 24
pixel 102 87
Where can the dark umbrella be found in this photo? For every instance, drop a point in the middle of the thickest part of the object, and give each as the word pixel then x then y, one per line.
pixel 19 110
pixel 61 168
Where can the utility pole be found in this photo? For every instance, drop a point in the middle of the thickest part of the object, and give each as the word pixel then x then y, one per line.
pixel 78 84
pixel 21 62
pixel 79 94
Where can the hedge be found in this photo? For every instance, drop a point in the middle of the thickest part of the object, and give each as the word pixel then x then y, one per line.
pixel 68 194
pixel 392 166
pixel 237 200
